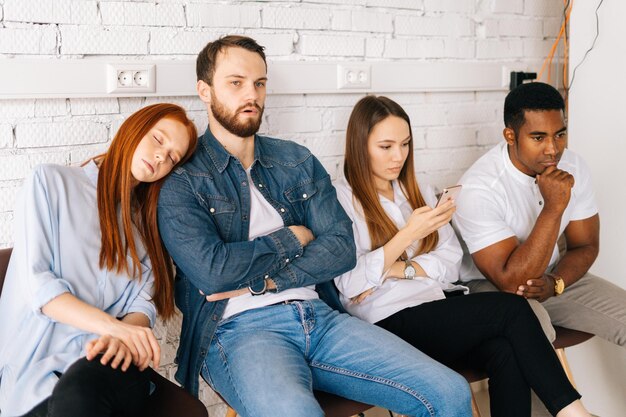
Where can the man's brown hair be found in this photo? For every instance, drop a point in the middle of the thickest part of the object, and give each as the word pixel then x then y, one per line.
pixel 205 63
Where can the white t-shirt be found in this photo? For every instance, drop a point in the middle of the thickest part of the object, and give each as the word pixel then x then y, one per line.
pixel 392 295
pixel 498 201
pixel 264 219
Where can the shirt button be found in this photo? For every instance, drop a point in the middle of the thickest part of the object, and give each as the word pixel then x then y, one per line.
pixel 541 203
pixel 266 276
pixel 297 256
pixel 212 210
pixel 287 260
pixel 260 185
pixel 243 183
pixel 244 217
pixel 282 210
pixel 304 195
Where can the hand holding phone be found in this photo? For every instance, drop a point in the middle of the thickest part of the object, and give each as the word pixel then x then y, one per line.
pixel 449 193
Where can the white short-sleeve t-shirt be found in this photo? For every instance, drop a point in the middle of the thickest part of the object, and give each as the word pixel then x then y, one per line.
pixel 499 201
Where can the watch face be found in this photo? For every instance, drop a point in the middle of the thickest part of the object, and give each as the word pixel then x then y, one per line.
pixel 258 289
pixel 559 286
pixel 409 272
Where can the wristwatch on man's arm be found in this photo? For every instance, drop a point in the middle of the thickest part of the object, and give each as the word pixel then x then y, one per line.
pixel 260 288
pixel 559 284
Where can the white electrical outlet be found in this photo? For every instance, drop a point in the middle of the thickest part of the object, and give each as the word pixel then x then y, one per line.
pixel 131 78
pixel 354 75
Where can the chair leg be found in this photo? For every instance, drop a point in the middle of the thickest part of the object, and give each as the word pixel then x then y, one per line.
pixel 561 354
pixel 475 409
pixel 230 412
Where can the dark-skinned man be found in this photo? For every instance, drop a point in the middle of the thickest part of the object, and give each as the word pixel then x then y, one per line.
pixel 528 216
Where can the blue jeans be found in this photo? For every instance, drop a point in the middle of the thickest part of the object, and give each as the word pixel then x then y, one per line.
pixel 268 361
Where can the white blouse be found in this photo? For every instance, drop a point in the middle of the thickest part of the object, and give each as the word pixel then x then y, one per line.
pixel 392 295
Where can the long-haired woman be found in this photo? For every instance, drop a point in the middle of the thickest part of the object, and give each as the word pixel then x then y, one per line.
pixel 408 256
pixel 88 274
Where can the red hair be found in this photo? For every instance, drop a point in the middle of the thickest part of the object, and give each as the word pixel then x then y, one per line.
pixel 137 204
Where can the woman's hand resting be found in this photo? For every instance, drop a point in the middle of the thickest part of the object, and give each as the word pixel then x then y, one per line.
pixel 140 340
pixel 113 350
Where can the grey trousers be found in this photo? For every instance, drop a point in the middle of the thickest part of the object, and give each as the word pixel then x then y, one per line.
pixel 591 304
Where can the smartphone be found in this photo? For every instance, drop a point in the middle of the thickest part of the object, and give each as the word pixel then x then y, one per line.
pixel 448 193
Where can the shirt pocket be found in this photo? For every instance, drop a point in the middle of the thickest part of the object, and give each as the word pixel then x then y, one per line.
pixel 222 210
pixel 298 197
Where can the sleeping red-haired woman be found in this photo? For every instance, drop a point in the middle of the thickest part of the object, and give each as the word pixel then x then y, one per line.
pixel 88 274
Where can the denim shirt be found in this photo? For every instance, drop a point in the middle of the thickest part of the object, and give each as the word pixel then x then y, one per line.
pixel 203 212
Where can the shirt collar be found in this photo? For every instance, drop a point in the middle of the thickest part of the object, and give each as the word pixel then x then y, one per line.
pixel 518 175
pixel 221 157
pixel 398 195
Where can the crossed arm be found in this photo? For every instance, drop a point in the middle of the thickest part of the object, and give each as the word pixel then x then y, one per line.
pixel 520 267
pixel 121 342
pixel 215 265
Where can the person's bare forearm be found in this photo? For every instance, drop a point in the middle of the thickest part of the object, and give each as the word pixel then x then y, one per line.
pixel 398 267
pixel 531 258
pixel 138 319
pixel 68 309
pixel 575 263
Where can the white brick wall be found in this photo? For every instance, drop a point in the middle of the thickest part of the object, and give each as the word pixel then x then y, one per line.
pixel 332 45
pixel 6 135
pixel 450 129
pixel 38 135
pixel 128 14
pixel 236 16
pixel 28 39
pixel 280 17
pixel 97 40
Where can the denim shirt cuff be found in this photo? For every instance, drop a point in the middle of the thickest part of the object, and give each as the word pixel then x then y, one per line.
pixel 287 245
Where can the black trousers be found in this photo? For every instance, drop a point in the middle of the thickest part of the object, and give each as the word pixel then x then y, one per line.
pixel 495 332
pixel 91 389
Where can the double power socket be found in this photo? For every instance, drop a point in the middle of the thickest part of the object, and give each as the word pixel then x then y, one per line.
pixel 131 78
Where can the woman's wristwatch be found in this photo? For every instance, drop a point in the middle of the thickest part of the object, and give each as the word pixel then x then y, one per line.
pixel 409 269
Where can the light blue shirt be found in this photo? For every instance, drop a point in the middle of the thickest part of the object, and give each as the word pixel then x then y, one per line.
pixel 57 246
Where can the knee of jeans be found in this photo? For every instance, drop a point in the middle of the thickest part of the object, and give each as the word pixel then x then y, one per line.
pixel 450 396
pixel 458 401
pixel 292 406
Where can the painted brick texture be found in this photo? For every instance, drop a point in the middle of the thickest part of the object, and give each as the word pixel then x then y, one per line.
pixel 451 130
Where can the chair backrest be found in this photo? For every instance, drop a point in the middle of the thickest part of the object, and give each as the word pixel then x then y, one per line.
pixel 5 255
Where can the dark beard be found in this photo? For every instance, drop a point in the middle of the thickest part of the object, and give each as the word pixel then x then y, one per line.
pixel 230 122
